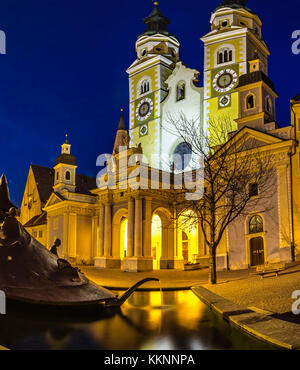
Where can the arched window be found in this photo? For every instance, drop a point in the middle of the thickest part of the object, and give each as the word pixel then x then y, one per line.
pixel 145 87
pixel 250 102
pixel 256 225
pixel 253 190
pixel 185 238
pixel 268 105
pixel 225 55
pixel 68 176
pixel 180 91
pixel 57 176
pixel 182 156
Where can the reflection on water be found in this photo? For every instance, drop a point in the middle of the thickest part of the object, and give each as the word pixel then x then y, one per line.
pixel 150 321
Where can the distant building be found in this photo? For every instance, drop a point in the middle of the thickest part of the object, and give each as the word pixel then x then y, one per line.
pixel 129 229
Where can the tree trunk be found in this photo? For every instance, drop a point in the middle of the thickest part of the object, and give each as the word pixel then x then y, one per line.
pixel 212 266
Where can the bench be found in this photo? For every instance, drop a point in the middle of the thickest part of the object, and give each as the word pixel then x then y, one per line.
pixel 270 268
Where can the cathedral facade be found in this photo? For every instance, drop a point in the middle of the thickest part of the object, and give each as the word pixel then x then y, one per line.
pixel 134 228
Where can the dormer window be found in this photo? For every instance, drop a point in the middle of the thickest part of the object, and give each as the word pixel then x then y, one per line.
pixel 145 87
pixel 144 52
pixel 225 56
pixel 180 91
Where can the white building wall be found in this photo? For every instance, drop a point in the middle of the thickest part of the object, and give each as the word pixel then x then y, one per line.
pixel 191 107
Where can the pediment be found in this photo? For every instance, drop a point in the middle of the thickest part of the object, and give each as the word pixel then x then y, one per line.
pixel 55 198
pixel 252 139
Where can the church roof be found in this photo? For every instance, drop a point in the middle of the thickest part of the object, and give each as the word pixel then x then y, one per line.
pixel 37 220
pixel 296 98
pixel 256 76
pixel 122 124
pixel 156 22
pixel 66 159
pixel 234 4
pixel 44 178
pixel 84 184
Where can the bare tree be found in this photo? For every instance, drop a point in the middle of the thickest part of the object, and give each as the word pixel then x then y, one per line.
pixel 236 169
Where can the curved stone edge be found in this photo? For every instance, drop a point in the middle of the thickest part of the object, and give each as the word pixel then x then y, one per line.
pixel 149 289
pixel 264 327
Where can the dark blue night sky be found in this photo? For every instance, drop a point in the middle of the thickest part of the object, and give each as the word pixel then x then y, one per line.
pixel 65 71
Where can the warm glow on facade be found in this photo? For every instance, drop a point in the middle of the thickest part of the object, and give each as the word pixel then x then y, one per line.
pixel 137 229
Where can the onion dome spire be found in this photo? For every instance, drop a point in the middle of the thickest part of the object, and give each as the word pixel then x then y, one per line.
pixel 235 4
pixel 66 157
pixel 66 140
pixel 156 22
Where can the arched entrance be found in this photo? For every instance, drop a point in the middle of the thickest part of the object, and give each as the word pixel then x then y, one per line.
pixel 257 252
pixel 257 247
pixel 188 236
pixel 185 247
pixel 162 240
pixel 119 234
pixel 123 238
pixel 156 241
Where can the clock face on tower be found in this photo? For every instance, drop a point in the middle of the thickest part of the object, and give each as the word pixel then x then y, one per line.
pixel 225 80
pixel 144 109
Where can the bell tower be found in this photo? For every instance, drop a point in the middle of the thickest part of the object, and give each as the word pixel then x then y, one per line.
pixel 234 40
pixel 257 99
pixel 157 54
pixel 65 170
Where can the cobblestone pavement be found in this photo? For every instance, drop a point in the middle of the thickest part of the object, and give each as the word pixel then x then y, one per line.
pixel 272 293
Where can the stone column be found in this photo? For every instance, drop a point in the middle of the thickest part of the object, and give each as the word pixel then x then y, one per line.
pixel 106 260
pixel 49 225
pixel 138 248
pixel 107 231
pixel 147 228
pixel 137 260
pixel 65 236
pixel 95 237
pixel 72 242
pixel 101 232
pixel 130 242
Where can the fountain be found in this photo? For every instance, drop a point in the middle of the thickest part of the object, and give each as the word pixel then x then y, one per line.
pixel 30 274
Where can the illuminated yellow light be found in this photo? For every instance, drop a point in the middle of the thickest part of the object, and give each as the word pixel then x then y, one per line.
pixel 188 248
pixel 156 241
pixel 123 238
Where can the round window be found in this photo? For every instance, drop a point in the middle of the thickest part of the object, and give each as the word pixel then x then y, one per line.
pixel 182 156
